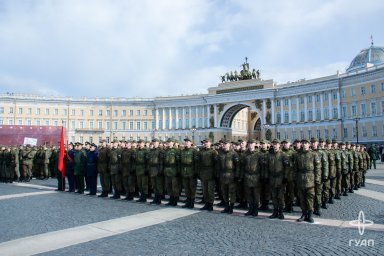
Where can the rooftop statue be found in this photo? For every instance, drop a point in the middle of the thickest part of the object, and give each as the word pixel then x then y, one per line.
pixel 244 74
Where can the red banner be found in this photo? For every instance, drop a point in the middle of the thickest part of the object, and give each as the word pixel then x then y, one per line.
pixel 60 164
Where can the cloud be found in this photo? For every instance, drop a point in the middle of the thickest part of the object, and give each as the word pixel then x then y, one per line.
pixel 152 48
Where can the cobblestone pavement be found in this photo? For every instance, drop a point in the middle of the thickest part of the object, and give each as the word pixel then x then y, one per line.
pixel 202 233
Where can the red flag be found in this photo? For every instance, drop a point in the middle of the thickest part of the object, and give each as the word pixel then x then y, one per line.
pixel 60 164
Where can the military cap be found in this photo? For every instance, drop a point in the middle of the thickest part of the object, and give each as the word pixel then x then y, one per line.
pixel 251 141
pixel 87 143
pixel 103 140
pixel 285 141
pixel 93 145
pixel 115 141
pixel 334 141
pixel 225 141
pixel 275 141
pixel 187 139
pixel 155 140
pixel 170 140
pixel 328 141
pixel 347 143
pixel 304 140
pixel 264 142
pixel 296 141
pixel 71 143
pixel 140 141
pixel 134 141
pixel 206 140
pixel 79 144
pixel 240 140
pixel 321 140
pixel 313 139
pixel 342 143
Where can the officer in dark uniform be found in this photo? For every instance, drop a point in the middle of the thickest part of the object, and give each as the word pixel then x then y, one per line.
pixel 91 169
pixel 69 167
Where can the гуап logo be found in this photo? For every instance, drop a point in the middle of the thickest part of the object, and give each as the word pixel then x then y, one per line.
pixel 361 223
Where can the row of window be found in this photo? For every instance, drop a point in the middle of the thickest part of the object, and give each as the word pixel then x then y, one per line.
pixel 80 112
pixel 363 90
pixel 310 116
pixel 362 110
pixel 363 132
pixel 308 134
pixel 91 139
pixel 310 99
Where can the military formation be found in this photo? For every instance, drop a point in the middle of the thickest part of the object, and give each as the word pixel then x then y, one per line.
pixel 251 174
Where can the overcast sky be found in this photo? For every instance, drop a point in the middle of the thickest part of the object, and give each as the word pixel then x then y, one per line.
pixel 155 48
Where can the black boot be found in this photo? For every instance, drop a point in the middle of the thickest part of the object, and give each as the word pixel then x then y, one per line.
pixel 309 217
pixel 191 203
pixel 155 200
pixel 303 216
pixel 289 207
pixel 230 208
pixel 115 196
pixel 205 207
pixel 103 194
pixel 355 188
pixel 175 200
pixel 250 210
pixel 226 208
pixel 324 204
pixel 275 214
pixel 281 215
pixel 187 203
pixel 317 211
pixel 330 200
pixel 345 193
pixel 144 198
pixel 221 204
pixel 255 210
pixel 140 200
pixel 337 196
pixel 350 190
pixel 171 199
pixel 210 207
pixel 264 205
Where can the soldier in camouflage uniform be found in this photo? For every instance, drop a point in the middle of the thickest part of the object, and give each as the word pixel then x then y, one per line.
pixel 188 172
pixel 28 156
pixel 240 186
pixel 366 164
pixel 228 170
pixel 308 173
pixel 252 173
pixel 45 165
pixel 155 165
pixel 319 191
pixel 290 188
pixel 206 160
pixel 114 160
pixel 277 176
pixel 331 183
pixel 353 160
pixel 103 169
pixel 265 190
pixel 345 168
pixel 171 172
pixel 337 153
pixel 141 169
pixel 359 168
pixel 128 171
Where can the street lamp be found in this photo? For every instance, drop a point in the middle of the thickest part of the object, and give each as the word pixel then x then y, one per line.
pixel 193 130
pixel 357 129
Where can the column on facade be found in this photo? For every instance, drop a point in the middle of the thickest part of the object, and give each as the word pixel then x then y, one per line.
pixel 273 111
pixel 281 111
pixel 338 106
pixel 313 108
pixel 330 105
pixel 197 117
pixel 264 111
pixel 298 109
pixel 157 120
pixel 207 115
pixel 305 108
pixel 203 116
pixel 170 119
pixel 163 121
pixel 190 117
pixel 215 116
pixel 289 110
pixel 177 117
pixel 321 107
pixel 183 114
